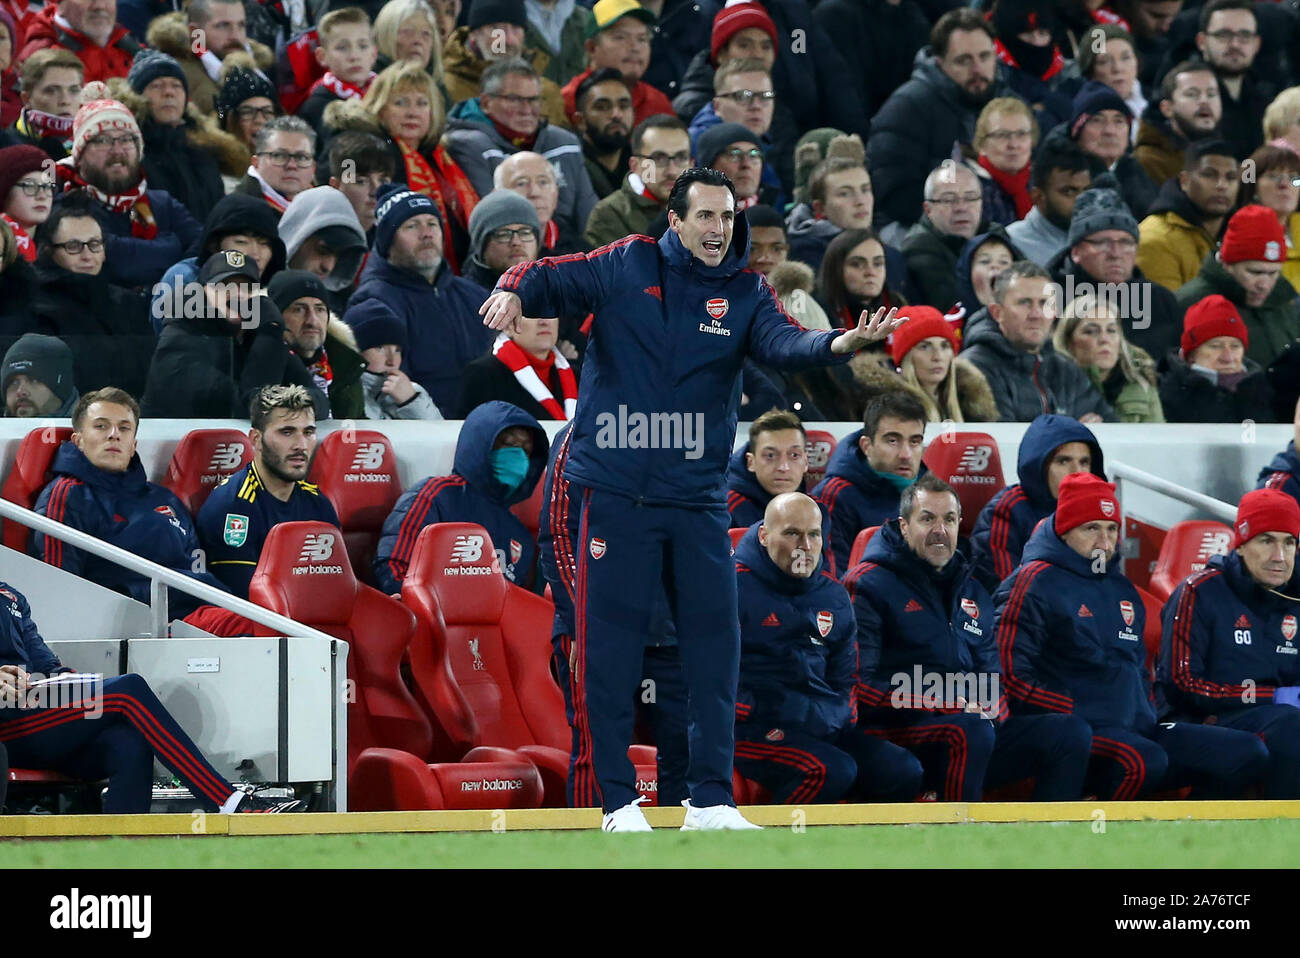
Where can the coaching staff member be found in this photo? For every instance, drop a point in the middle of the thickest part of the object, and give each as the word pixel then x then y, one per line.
pixel 673 322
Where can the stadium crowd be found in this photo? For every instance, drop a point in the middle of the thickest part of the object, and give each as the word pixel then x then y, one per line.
pixel 1085 211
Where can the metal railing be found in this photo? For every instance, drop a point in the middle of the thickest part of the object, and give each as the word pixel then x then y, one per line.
pixel 1124 473
pixel 160 577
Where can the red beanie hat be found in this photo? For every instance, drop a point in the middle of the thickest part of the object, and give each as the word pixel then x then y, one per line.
pixel 922 323
pixel 1266 510
pixel 1213 316
pixel 733 18
pixel 1254 232
pixel 1083 497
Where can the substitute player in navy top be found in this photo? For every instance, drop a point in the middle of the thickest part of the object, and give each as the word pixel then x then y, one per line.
pixel 673 322
pixel 234 521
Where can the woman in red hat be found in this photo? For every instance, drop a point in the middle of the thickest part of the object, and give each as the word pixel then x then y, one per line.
pixel 1210 379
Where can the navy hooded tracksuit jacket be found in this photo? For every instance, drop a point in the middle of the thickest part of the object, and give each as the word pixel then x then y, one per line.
pixel 1282 473
pixel 795 710
pixel 1227 645
pixel 234 521
pixel 470 494
pixel 65 730
pixel 854 496
pixel 747 501
pixel 917 625
pixel 126 510
pixel 1070 640
pixel 655 423
pixel 1006 522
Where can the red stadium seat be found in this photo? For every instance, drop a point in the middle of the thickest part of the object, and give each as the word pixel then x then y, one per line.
pixel 971 464
pixel 30 474
pixel 202 459
pixel 737 535
pixel 356 469
pixel 1187 547
pixel 481 656
pixel 860 545
pixel 1141 549
pixel 530 509
pixel 1151 634
pixel 300 575
pixel 821 445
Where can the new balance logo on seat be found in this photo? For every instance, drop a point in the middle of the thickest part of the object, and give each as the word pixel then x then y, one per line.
pixel 317 548
pixel 226 457
pixel 1083 612
pixel 771 620
pixel 370 456
pixel 466 549
pixel 975 459
pixel 912 606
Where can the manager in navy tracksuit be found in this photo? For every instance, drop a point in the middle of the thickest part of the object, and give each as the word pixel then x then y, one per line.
pixel 500 456
pixel 236 518
pixel 672 323
pixel 96 728
pixel 1070 638
pixel 665 710
pixel 1230 652
pixel 796 730
pixel 1283 472
pixel 928 667
pixel 1051 448
pixel 870 468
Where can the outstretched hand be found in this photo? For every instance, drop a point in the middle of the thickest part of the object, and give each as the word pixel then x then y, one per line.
pixel 502 310
pixel 870 329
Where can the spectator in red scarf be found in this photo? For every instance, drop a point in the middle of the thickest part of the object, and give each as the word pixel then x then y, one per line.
pixel 525 369
pixel 145 230
pixel 51 83
pixel 27 192
pixel 347 53
pixel 1005 136
pixel 1036 68
pixel 10 103
pixel 283 163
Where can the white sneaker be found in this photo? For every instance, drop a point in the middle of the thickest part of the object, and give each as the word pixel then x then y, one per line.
pixel 716 818
pixel 629 818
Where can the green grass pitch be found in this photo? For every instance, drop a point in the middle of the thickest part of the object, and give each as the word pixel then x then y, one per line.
pixel 1156 844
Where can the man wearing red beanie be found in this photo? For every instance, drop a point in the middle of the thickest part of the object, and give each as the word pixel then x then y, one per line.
pixel 1069 631
pixel 1247 270
pixel 1210 379
pixel 1229 652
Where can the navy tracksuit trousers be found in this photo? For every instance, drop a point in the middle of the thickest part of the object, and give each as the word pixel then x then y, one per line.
pixel 1279 727
pixel 628 554
pixel 964 753
pixel 1217 762
pixel 67 735
pixel 802 768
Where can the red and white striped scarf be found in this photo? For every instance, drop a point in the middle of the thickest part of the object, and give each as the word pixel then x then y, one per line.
pixel 513 357
pixel 26 248
pixel 342 88
pixel 269 192
pixel 134 201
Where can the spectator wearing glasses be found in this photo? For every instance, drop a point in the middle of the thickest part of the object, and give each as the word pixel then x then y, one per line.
pixel 952 214
pixel 503 231
pixel 743 94
pixel 1101 124
pixel 1005 136
pixel 106 327
pixel 1188 215
pixel 283 164
pixel 1229 42
pixel 145 230
pixel 246 102
pixel 661 151
pixel 733 149
pixel 1277 186
pixel 506 118
pixel 28 194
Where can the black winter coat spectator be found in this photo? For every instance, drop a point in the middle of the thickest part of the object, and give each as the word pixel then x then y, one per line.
pixel 206 369
pixel 877 37
pixel 932 263
pixel 106 327
pixel 17 287
pixel 1188 396
pixel 682 30
pixel 173 163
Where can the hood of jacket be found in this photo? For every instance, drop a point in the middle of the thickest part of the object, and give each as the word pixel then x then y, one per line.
pixel 751 552
pixel 473 458
pixel 678 257
pixel 1046 545
pixel 1044 436
pixel 965 285
pixel 327 207
pixel 1157 131
pixel 1172 199
pixel 240 213
pixel 71 461
pixel 170 33
pixel 803 222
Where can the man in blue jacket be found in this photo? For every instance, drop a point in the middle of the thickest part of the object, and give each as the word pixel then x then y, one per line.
pixel 928 672
pixel 673 321
pixel 100 488
pixel 870 468
pixel 1284 471
pixel 1052 448
pixel 92 727
pixel 1069 629
pixel 500 457
pixel 234 521
pixel 796 732
pixel 665 709
pixel 407 271
pixel 1229 652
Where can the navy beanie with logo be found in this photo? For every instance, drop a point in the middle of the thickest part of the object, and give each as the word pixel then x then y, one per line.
pixel 395 204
